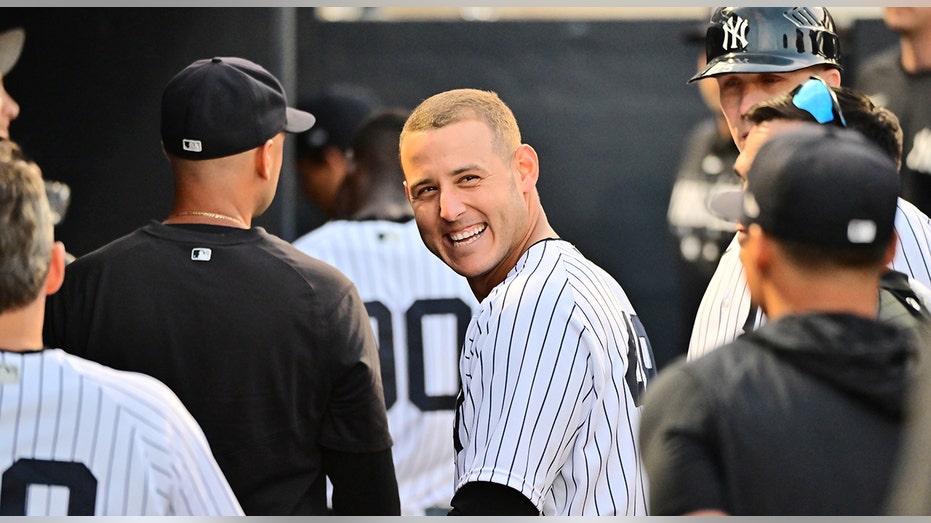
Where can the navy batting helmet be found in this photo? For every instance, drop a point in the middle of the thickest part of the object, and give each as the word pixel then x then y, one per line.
pixel 769 40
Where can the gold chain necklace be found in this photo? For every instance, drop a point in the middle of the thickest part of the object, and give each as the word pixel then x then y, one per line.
pixel 211 215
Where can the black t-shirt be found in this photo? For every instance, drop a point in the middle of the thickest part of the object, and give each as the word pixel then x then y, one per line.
pixel 270 350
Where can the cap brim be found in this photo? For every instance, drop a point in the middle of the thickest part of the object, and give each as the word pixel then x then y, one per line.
pixel 11 46
pixel 298 121
pixel 727 205
pixel 736 63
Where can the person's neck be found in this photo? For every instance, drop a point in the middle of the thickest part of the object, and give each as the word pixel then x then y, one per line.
pixel 916 52
pixel 836 293
pixel 21 329
pixel 209 213
pixel 539 230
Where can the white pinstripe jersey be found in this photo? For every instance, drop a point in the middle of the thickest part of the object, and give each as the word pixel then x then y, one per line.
pixel 420 309
pixel 102 441
pixel 725 307
pixel 552 371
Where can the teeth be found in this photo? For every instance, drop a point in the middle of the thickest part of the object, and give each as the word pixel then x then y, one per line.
pixel 462 236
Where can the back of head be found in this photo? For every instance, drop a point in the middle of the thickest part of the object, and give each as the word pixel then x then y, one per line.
pixel 224 106
pixel 459 105
pixel 769 40
pixel 339 114
pixel 852 109
pixel 26 229
pixel 375 145
pixel 374 184
pixel 825 189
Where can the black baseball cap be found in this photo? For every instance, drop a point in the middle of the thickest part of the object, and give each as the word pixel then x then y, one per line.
pixel 769 40
pixel 223 106
pixel 339 113
pixel 822 185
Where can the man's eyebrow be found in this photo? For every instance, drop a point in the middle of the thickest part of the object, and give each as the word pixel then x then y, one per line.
pixel 454 172
pixel 471 167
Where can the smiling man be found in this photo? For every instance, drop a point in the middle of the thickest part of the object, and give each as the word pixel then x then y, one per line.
pixel 555 360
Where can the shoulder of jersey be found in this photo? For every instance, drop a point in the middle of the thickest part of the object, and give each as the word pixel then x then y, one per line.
pixel 126 386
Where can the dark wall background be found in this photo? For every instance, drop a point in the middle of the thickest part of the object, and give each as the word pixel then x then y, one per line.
pixel 604 103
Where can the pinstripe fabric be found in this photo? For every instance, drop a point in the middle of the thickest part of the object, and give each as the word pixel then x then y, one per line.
pixel 724 308
pixel 129 431
pixel 546 407
pixel 389 264
pixel 913 253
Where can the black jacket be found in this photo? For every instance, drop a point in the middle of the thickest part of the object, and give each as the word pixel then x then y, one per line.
pixel 801 417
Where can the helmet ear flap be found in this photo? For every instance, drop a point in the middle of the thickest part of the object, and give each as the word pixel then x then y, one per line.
pixel 769 39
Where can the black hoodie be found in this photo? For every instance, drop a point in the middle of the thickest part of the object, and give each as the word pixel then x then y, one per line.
pixel 800 417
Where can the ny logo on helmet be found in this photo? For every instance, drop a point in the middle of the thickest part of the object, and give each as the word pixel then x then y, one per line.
pixel 735 33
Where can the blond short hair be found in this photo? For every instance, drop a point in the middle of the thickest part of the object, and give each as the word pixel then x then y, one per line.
pixel 459 105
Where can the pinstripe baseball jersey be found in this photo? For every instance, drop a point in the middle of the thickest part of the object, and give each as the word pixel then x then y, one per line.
pixel 725 311
pixel 78 438
pixel 552 372
pixel 420 309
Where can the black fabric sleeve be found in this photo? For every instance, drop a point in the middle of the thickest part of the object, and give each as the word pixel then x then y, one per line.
pixel 678 444
pixel 483 498
pixel 364 483
pixel 356 419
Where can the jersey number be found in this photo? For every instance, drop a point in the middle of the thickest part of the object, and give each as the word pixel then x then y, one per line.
pixel 415 348
pixel 81 484
pixel 640 363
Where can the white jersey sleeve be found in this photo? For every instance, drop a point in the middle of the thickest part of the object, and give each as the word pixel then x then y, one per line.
pixel 913 251
pixel 79 438
pixel 552 371
pixel 726 311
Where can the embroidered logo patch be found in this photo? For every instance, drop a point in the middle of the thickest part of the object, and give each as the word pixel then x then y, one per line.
pixel 861 231
pixel 201 254
pixel 193 146
pixel 9 374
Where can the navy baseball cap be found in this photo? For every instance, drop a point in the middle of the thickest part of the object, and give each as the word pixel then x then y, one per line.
pixel 769 40
pixel 339 115
pixel 223 106
pixel 822 185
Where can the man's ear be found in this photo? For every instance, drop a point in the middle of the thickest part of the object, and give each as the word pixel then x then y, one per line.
pixel 264 159
pixel 756 249
pixel 407 190
pixel 890 249
pixel 56 269
pixel 831 76
pixel 528 166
